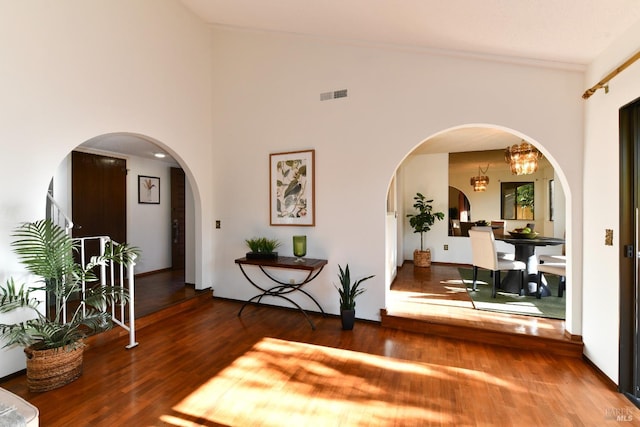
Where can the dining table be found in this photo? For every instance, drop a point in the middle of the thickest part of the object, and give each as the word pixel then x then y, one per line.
pixel 525 251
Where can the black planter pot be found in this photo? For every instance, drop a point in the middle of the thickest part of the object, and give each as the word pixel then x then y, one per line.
pixel 348 318
pixel 262 255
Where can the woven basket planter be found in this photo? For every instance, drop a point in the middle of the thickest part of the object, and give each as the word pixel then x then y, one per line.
pixel 422 258
pixel 52 368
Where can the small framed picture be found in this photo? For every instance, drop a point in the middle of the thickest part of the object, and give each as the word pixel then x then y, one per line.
pixel 292 188
pixel 148 189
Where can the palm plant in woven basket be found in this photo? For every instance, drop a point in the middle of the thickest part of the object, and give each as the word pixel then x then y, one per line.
pixel 77 304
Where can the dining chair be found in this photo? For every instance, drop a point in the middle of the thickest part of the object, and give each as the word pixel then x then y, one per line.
pixel 510 256
pixel 484 255
pixel 498 227
pixel 556 259
pixel 556 268
pixel 553 258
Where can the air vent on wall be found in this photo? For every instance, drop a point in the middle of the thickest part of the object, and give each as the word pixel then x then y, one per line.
pixel 333 95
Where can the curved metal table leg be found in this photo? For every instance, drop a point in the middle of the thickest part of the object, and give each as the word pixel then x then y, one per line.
pixel 281 290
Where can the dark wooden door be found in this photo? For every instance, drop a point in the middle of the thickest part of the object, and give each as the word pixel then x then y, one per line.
pixel 99 190
pixel 629 350
pixel 177 218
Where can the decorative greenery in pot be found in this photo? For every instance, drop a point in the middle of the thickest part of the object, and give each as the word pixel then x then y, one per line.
pixel 421 223
pixel 262 248
pixel 48 251
pixel 348 293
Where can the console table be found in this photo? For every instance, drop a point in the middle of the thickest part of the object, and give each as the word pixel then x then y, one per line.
pixel 312 266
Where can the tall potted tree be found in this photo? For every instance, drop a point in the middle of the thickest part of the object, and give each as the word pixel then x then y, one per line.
pixel 53 341
pixel 421 222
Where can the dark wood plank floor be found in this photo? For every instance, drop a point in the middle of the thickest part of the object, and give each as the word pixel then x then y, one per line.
pixel 420 293
pixel 160 290
pixel 436 293
pixel 209 367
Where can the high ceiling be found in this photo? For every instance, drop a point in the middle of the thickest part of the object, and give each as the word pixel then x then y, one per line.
pixel 560 33
pixel 566 31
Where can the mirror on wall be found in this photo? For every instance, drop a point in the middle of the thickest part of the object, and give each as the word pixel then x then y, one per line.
pixel 459 211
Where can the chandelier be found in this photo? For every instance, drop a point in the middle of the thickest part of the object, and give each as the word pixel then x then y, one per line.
pixel 481 181
pixel 523 158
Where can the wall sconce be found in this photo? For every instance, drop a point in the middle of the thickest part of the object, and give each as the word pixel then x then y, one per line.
pixel 523 158
pixel 481 181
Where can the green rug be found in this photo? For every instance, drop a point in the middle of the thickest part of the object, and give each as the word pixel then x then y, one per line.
pixel 551 306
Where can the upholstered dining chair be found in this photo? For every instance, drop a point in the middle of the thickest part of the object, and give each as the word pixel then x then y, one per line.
pixel 556 259
pixel 553 258
pixel 498 228
pixel 509 256
pixel 485 256
pixel 556 268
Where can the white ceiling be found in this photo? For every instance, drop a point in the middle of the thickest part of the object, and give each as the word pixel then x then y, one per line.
pixel 561 32
pixel 126 144
pixel 567 31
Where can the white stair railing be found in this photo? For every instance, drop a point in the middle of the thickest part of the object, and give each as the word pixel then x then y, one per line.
pixel 57 215
pixel 116 275
pixel 112 274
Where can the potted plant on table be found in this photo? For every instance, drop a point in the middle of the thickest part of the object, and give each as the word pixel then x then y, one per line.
pixel 348 293
pixel 53 344
pixel 262 248
pixel 421 223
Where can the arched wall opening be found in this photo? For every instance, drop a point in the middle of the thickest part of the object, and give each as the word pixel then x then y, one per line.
pixel 148 225
pixel 430 176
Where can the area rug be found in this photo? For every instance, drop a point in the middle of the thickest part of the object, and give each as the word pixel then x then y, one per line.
pixel 551 307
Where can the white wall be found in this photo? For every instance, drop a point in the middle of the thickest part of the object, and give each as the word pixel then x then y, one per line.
pixel 427 174
pixel 72 77
pixel 601 198
pixel 266 100
pixel 82 69
pixel 149 225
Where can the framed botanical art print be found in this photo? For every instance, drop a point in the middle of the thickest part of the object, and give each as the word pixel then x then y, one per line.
pixel 292 188
pixel 148 189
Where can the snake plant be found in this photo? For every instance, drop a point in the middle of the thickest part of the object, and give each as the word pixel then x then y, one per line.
pixel 348 291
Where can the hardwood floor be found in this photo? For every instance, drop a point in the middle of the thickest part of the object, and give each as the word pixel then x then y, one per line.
pixel 438 293
pixel 427 295
pixel 160 290
pixel 433 300
pixel 209 367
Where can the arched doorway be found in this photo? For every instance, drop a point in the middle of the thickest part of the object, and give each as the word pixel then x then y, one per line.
pixel 426 177
pixel 150 223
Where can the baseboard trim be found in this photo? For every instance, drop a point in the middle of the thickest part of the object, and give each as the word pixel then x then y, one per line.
pixel 608 381
pixel 575 338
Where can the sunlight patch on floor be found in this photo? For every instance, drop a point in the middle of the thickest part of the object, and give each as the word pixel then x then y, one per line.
pixel 399 298
pixel 522 307
pixel 272 385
